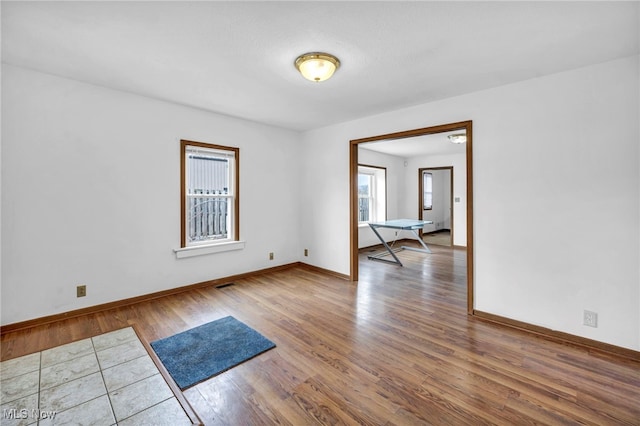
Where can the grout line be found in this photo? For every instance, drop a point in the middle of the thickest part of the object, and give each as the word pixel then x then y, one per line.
pixel 149 407
pixel 39 381
pixel 123 362
pixel 95 353
pixel 101 371
pixel 137 381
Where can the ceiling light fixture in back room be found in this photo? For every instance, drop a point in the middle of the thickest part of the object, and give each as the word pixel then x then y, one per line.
pixel 317 66
pixel 458 138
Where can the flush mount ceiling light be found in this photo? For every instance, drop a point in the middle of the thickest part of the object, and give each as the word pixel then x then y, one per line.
pixel 458 138
pixel 317 66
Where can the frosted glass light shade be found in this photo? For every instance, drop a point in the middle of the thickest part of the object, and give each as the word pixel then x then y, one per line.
pixel 317 66
pixel 458 138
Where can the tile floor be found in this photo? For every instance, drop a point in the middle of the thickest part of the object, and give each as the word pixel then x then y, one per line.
pixel 105 380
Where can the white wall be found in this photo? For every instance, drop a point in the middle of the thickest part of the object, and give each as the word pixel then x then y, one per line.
pixel 1 91
pixel 534 264
pixel 62 140
pixel 90 194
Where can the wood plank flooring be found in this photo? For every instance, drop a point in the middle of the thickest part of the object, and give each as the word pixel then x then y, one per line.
pixel 395 348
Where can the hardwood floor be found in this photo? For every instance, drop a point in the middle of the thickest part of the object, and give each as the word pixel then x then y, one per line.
pixel 396 348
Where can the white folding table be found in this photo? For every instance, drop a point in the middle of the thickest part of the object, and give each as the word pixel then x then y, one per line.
pixel 402 225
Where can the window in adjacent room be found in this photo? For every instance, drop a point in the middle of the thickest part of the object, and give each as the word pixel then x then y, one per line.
pixel 209 193
pixel 372 189
pixel 427 185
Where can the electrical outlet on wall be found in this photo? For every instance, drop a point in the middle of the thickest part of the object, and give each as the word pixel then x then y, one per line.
pixel 81 291
pixel 590 318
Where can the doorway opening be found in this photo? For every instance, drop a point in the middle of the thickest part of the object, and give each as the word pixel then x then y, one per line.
pixel 435 204
pixel 463 126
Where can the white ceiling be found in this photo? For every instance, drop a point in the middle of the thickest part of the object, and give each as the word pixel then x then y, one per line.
pixel 236 58
pixel 417 146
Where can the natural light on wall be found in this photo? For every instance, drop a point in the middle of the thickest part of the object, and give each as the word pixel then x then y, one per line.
pixel 372 194
pixel 209 199
pixel 209 195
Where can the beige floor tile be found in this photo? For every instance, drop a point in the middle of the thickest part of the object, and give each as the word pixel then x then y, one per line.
pixel 18 366
pixel 90 382
pixel 114 338
pixel 139 396
pixel 70 394
pixel 129 372
pixel 66 352
pixel 118 354
pixel 70 370
pixel 18 387
pixel 95 412
pixel 167 413
pixel 19 412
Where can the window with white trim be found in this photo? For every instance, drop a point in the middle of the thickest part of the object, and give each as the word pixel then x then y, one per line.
pixel 209 193
pixel 427 187
pixel 372 200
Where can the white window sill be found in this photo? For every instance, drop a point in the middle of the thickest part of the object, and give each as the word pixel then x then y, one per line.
pixel 208 249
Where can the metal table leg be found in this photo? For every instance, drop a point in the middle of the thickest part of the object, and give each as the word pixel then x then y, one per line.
pixel 425 250
pixel 377 257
